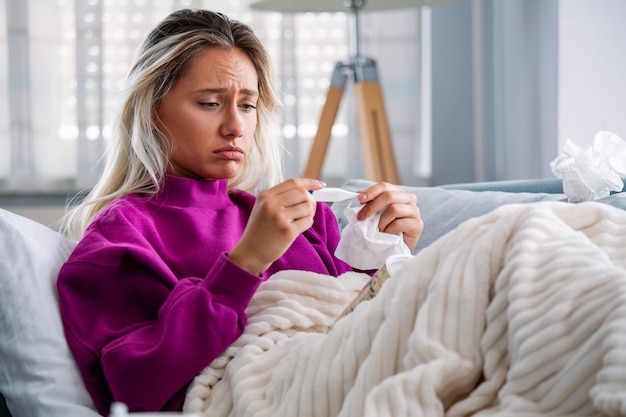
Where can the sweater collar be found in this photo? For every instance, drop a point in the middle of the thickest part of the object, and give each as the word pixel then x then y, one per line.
pixel 191 192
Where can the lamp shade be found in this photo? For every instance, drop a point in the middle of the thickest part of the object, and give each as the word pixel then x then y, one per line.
pixel 319 6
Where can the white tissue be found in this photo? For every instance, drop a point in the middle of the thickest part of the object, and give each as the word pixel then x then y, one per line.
pixel 365 247
pixel 591 173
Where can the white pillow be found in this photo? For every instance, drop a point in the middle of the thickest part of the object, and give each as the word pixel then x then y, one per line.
pixel 38 375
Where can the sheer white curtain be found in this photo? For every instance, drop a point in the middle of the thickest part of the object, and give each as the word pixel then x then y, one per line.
pixel 63 63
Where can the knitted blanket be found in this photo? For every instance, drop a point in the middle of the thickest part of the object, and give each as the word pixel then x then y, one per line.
pixel 521 312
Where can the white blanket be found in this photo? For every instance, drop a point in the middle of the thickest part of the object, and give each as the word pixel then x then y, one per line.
pixel 521 312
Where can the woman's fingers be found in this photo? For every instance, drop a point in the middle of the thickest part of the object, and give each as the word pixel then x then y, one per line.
pixel 396 212
pixel 400 213
pixel 401 218
pixel 290 200
pixel 381 196
pixel 279 215
pixel 294 184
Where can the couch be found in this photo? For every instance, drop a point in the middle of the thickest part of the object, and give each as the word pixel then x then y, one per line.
pixel 37 374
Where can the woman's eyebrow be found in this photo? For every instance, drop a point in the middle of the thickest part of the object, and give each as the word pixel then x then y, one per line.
pixel 249 92
pixel 219 90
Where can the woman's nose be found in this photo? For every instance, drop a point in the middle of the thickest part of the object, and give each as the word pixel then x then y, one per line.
pixel 232 124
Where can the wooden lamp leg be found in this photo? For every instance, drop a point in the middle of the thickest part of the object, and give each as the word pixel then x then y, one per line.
pixel 374 129
pixel 338 81
pixel 313 167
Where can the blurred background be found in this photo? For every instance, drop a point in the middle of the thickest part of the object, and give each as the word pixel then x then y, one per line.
pixel 475 90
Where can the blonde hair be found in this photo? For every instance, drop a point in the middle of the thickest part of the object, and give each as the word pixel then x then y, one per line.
pixel 138 154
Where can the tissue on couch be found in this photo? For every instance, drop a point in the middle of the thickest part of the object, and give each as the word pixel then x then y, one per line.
pixel 591 173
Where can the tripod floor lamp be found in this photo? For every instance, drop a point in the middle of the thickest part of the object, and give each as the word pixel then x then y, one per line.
pixel 378 154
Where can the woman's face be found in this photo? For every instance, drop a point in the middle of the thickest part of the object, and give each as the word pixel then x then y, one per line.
pixel 209 116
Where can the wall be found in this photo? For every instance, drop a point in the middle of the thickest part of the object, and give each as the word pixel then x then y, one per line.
pixel 48 215
pixel 525 75
pixel 45 209
pixel 513 79
pixel 452 117
pixel 592 72
pixel 495 76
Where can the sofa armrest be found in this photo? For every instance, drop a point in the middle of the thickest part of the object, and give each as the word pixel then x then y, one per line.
pixel 547 185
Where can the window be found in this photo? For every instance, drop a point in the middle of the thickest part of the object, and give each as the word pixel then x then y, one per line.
pixel 63 63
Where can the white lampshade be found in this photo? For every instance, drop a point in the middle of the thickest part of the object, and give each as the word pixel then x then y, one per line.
pixel 319 6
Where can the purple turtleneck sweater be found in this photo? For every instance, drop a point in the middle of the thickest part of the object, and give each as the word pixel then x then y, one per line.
pixel 148 297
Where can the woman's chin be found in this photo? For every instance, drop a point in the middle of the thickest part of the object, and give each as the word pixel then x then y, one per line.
pixel 225 173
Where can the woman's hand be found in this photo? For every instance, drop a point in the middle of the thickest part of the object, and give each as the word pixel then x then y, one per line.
pixel 400 211
pixel 279 215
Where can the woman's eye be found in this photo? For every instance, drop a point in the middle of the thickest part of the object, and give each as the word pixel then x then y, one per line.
pixel 207 104
pixel 248 107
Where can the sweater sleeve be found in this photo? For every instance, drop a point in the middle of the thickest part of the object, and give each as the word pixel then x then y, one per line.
pixel 140 333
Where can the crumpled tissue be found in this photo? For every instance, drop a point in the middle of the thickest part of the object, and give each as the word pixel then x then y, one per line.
pixel 591 173
pixel 365 247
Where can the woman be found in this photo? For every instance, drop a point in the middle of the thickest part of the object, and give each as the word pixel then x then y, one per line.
pixel 173 244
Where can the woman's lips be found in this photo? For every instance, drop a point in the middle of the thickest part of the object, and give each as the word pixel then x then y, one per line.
pixel 230 153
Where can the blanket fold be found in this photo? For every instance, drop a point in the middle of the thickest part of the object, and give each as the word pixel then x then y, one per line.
pixel 519 312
